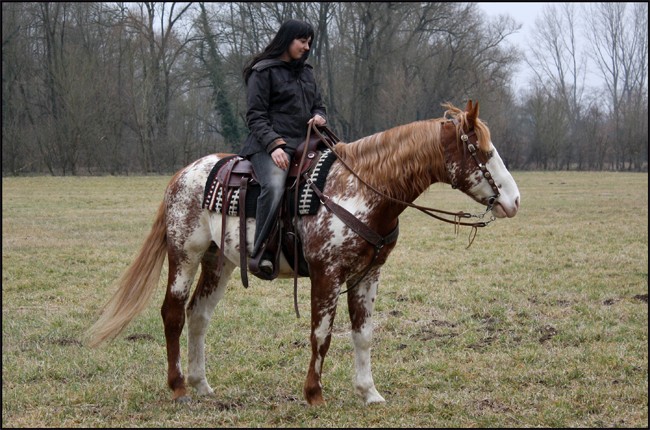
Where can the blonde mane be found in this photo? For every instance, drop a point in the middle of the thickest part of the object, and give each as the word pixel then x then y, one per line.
pixel 405 160
pixel 413 150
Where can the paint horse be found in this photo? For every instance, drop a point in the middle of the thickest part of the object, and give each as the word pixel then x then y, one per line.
pixel 375 178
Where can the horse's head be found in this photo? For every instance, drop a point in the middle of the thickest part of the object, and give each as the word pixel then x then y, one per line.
pixel 473 163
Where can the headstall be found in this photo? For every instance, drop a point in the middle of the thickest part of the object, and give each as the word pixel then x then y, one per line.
pixel 472 147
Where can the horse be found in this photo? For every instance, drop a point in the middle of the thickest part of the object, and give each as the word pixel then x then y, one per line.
pixel 375 178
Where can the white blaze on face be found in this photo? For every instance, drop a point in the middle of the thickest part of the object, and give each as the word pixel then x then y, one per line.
pixel 507 203
pixel 509 198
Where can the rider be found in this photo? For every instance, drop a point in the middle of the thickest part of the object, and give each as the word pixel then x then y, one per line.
pixel 282 99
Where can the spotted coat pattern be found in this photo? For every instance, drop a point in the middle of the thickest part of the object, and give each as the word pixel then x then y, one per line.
pixel 336 255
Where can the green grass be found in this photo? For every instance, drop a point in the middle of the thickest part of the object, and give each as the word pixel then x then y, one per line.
pixel 542 322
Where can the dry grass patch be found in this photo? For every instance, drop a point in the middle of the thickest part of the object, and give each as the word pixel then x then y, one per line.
pixel 542 322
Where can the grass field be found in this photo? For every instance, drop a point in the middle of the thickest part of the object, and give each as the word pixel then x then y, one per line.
pixel 542 322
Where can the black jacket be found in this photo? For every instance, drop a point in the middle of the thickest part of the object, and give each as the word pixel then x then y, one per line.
pixel 281 98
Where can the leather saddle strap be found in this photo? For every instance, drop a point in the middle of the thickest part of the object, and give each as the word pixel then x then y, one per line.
pixel 225 200
pixel 242 231
pixel 360 228
pixel 295 219
pixel 377 240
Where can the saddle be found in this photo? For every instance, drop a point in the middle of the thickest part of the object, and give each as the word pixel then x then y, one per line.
pixel 235 179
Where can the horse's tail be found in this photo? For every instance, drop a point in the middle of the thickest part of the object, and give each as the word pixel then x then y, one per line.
pixel 135 287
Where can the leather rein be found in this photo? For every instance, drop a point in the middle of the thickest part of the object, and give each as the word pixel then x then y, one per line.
pixel 466 138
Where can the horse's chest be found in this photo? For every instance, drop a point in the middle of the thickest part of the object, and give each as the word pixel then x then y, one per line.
pixel 327 238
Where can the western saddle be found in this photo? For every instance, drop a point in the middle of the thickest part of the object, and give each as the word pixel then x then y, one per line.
pixel 237 174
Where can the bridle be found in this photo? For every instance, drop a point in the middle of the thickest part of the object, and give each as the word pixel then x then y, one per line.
pixel 472 148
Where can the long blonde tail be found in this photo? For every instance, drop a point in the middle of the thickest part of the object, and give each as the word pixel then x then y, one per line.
pixel 135 287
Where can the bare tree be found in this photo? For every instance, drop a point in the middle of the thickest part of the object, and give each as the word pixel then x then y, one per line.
pixel 546 125
pixel 559 66
pixel 159 49
pixel 619 32
pixel 17 73
pixel 148 87
pixel 230 129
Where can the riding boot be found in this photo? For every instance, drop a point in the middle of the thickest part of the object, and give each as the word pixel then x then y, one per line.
pixel 265 262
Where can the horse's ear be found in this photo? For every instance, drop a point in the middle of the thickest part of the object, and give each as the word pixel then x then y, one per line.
pixel 472 112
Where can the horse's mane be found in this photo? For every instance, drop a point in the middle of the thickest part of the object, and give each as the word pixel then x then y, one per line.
pixel 376 158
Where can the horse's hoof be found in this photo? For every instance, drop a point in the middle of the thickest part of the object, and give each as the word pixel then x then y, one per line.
pixel 371 396
pixel 315 400
pixel 375 401
pixel 183 400
pixel 204 390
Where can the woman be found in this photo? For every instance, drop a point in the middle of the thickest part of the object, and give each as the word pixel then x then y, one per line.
pixel 283 99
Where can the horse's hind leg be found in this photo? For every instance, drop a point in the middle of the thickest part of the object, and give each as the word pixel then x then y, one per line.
pixel 182 268
pixel 209 291
pixel 361 301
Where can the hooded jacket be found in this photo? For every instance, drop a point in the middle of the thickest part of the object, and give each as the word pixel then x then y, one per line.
pixel 281 98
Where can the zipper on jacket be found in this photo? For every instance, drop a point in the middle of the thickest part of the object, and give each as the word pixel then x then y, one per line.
pixel 304 98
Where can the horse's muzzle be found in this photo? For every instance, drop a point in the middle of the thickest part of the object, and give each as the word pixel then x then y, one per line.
pixel 501 210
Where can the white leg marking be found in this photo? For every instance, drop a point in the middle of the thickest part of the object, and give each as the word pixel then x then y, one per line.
pixel 198 319
pixel 321 333
pixel 363 382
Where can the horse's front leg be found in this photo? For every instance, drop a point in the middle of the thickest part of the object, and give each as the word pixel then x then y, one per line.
pixel 210 289
pixel 361 301
pixel 324 298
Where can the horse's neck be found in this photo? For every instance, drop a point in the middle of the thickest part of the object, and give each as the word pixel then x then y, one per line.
pixel 401 162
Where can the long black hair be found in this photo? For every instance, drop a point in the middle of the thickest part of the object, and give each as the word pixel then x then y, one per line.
pixel 289 30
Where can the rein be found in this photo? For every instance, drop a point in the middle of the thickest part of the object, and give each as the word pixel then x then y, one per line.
pixel 428 210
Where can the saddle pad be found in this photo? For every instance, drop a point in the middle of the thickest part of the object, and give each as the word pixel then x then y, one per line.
pixel 308 203
pixel 211 185
pixel 307 200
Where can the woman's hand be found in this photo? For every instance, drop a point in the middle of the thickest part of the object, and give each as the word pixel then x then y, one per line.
pixel 280 158
pixel 317 120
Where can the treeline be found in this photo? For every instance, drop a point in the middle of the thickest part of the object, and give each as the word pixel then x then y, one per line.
pixel 133 88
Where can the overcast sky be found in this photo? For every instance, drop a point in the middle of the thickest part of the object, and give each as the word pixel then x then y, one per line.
pixel 526 14
pixel 523 13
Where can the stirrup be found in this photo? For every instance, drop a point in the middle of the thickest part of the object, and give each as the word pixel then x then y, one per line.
pixel 256 266
pixel 266 267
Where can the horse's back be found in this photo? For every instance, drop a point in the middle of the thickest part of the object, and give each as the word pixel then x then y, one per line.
pixel 188 184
